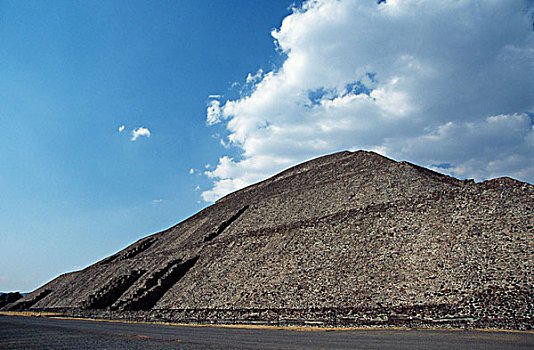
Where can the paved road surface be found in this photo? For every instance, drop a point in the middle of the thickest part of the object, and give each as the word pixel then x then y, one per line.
pixel 49 333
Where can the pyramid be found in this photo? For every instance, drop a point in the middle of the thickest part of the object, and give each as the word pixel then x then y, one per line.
pixel 351 238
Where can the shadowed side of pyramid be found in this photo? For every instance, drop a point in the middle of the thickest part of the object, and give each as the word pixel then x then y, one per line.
pixel 349 238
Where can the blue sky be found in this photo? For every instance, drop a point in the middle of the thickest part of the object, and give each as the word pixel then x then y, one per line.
pixel 227 93
pixel 72 188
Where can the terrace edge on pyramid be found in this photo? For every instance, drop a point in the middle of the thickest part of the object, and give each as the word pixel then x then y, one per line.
pixel 347 239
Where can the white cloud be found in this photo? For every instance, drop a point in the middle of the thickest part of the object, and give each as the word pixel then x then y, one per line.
pixel 191 171
pixel 121 128
pixel 141 131
pixel 213 114
pixel 157 201
pixel 251 79
pixel 448 82
pixel 481 149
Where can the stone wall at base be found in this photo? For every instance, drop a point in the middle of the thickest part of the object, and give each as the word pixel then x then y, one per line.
pixel 423 316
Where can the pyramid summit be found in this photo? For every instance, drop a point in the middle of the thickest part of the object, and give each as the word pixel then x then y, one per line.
pixel 352 238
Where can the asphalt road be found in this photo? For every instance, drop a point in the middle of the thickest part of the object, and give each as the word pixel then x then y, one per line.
pixel 50 333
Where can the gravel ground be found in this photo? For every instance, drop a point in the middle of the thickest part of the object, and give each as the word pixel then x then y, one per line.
pixel 49 333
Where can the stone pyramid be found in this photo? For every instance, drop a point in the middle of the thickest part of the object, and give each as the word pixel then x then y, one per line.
pixel 350 238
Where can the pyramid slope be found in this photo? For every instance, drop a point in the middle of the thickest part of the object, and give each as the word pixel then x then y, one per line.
pixel 345 231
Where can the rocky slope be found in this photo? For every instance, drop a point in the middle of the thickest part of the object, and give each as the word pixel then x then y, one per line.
pixel 349 238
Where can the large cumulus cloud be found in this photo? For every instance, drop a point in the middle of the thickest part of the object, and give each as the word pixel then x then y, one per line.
pixel 447 84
